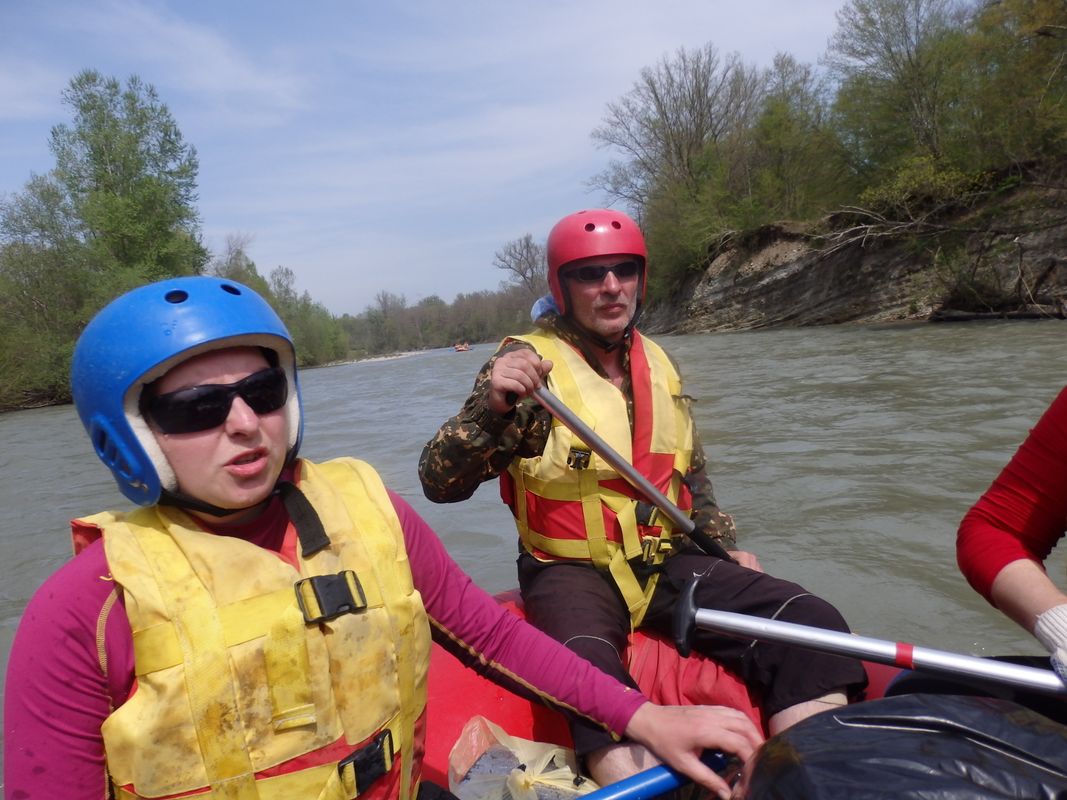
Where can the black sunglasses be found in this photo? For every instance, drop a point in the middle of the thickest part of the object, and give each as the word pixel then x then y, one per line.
pixel 200 408
pixel 596 273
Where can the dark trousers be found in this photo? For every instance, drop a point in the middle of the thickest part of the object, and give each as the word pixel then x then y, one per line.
pixel 579 605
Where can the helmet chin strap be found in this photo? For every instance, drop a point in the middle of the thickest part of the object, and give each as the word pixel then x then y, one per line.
pixel 189 503
pixel 185 502
pixel 596 339
pixel 309 527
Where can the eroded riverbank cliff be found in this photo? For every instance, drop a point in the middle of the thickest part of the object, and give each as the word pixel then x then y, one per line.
pixel 1006 259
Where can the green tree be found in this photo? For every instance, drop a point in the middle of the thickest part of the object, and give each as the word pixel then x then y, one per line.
pixel 130 178
pixel 895 61
pixel 391 308
pixel 1013 103
pixel 115 212
pixel 235 265
pixel 430 317
pixel 794 157
pixel 318 336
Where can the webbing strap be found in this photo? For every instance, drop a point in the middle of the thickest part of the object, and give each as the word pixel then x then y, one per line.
pixel 290 785
pixel 625 509
pixel 572 549
pixel 288 667
pixel 551 489
pixel 308 526
pixel 683 425
pixel 323 782
pixel 339 786
pixel 157 647
pixel 212 701
pixel 526 536
pixel 630 588
pixel 619 566
pixel 593 517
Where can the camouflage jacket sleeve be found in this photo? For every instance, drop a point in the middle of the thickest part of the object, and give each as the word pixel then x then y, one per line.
pixel 707 516
pixel 477 444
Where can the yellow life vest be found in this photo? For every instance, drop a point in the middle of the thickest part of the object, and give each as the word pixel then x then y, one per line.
pixel 258 681
pixel 569 503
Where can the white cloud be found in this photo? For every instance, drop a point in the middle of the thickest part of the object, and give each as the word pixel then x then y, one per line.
pixel 225 76
pixel 28 90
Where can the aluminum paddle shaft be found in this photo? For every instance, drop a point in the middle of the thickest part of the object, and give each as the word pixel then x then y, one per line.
pixel 899 654
pixel 681 519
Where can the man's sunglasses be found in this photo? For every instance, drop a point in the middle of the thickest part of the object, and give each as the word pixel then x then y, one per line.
pixel 200 408
pixel 596 273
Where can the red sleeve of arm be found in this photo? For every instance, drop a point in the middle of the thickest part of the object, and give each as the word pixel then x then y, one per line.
pixel 56 695
pixel 1023 513
pixel 509 650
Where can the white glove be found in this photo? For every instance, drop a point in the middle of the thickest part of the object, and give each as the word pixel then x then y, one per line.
pixel 1051 631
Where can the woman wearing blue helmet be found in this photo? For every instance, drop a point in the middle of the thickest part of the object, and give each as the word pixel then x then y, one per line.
pixel 142 335
pixel 259 627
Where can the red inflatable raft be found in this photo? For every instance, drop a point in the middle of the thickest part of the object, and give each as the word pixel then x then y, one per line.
pixel 457 693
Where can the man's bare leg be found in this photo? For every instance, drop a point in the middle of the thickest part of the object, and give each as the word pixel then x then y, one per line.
pixel 618 761
pixel 788 717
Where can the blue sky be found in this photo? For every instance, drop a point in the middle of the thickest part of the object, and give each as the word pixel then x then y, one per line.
pixel 371 146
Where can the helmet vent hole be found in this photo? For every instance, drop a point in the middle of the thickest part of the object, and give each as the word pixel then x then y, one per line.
pixel 615 224
pixel 176 296
pixel 231 289
pixel 109 452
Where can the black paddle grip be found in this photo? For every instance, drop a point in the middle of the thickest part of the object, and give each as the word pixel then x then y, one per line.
pixel 685 614
pixel 710 545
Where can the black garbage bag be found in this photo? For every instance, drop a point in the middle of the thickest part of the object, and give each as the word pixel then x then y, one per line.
pixel 1054 707
pixel 932 747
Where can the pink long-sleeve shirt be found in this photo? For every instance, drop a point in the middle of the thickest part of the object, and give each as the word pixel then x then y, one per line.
pixel 1024 512
pixel 57 697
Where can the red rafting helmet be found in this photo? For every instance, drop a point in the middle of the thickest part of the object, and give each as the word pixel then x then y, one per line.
pixel 593 232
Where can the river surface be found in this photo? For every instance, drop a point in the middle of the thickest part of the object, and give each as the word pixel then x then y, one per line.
pixel 846 454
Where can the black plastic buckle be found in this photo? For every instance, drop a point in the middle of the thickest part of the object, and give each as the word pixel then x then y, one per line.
pixel 325 597
pixel 578 458
pixel 644 513
pixel 371 761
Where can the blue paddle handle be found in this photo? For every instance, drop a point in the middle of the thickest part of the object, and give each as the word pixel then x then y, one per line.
pixel 654 782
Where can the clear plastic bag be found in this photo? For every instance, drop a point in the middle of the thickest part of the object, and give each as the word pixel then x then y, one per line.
pixel 488 764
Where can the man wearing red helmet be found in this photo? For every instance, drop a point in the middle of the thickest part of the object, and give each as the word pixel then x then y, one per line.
pixel 595 560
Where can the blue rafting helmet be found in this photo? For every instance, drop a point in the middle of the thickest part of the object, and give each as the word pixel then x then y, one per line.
pixel 137 338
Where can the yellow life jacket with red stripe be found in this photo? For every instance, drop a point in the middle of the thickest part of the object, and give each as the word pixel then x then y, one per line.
pixel 259 681
pixel 569 503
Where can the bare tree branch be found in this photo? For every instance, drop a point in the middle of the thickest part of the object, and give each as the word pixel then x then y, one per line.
pixel 525 260
pixel 663 126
